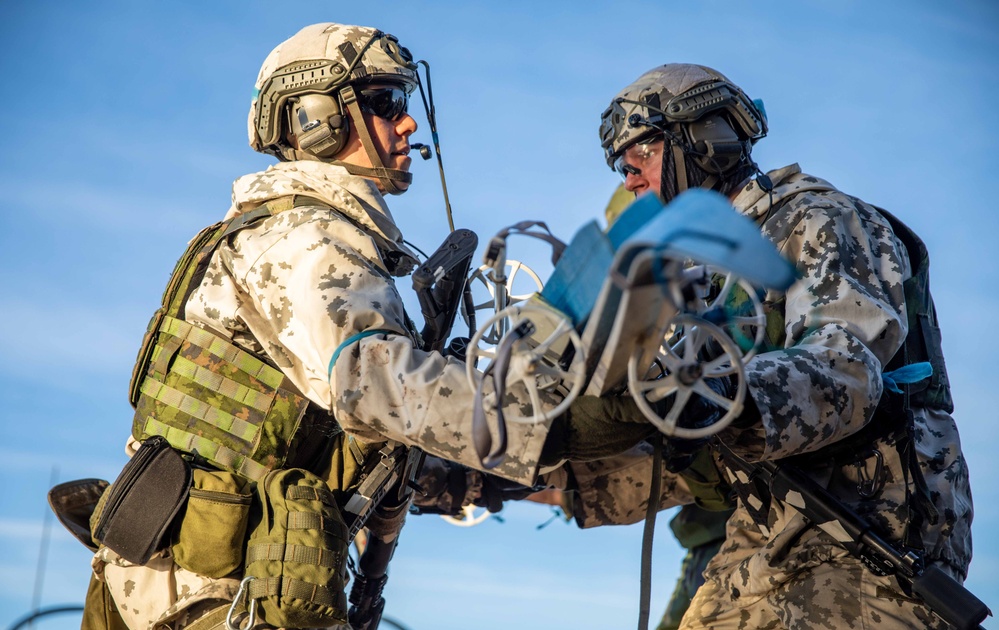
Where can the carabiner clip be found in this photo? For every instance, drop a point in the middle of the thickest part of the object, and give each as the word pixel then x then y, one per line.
pixel 869 487
pixel 241 594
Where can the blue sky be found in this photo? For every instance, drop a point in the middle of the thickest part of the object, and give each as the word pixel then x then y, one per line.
pixel 125 124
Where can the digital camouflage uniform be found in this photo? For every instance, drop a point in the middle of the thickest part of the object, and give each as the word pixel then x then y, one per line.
pixel 819 382
pixel 300 288
pixel 701 532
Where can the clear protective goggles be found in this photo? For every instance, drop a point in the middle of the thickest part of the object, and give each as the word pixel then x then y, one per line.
pixel 637 157
pixel 385 102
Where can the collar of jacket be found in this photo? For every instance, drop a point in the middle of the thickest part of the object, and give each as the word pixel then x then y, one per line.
pixel 356 197
pixel 754 202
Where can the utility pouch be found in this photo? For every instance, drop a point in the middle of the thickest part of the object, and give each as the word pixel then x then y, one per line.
pixel 74 503
pixel 296 555
pixel 135 514
pixel 212 531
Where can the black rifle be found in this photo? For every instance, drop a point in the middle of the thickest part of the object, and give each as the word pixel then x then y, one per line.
pixel 946 597
pixel 440 287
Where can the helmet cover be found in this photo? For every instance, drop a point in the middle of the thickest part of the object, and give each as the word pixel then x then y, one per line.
pixel 320 59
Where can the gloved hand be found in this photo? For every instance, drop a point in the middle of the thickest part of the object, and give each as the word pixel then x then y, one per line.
pixel 446 485
pixel 595 427
pixel 496 490
pixel 449 486
pixel 699 413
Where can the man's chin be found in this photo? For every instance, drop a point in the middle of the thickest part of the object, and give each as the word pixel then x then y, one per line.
pixel 401 187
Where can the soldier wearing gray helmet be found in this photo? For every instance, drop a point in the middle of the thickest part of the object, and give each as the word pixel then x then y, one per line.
pixel 283 346
pixel 850 386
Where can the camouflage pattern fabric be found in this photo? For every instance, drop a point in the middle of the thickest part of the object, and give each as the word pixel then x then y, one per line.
pixel 701 532
pixel 299 285
pixel 818 382
pixel 707 529
pixel 833 594
pixel 159 593
pixel 299 288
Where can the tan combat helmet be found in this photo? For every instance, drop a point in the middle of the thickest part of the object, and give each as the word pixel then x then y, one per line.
pixel 308 88
pixel 695 108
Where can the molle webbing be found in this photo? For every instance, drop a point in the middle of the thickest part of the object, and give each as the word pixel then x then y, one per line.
pixel 290 588
pixel 204 394
pixel 296 554
pixel 207 396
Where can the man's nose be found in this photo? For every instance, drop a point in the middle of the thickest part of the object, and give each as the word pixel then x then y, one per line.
pixel 405 125
pixel 635 183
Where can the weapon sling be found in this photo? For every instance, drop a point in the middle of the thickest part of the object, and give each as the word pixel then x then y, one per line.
pixel 944 595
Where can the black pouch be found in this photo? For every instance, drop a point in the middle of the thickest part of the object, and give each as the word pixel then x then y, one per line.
pixel 139 508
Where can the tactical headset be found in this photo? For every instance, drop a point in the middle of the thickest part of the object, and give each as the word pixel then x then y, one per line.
pixel 309 100
pixel 714 124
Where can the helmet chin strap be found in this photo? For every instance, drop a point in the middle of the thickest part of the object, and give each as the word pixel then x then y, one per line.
pixel 680 150
pixel 389 178
pixel 679 166
pixel 291 154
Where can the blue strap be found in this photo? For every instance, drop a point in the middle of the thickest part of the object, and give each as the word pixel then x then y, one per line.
pixel 352 339
pixel 912 373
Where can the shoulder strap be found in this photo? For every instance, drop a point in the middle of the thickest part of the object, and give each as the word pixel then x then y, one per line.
pixel 187 274
pixel 923 343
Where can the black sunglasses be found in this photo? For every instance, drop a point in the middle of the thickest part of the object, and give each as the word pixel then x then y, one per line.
pixel 388 102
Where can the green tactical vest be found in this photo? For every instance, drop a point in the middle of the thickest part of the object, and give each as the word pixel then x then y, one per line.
pixel 212 399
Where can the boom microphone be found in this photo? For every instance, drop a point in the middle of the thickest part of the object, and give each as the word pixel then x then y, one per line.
pixel 424 150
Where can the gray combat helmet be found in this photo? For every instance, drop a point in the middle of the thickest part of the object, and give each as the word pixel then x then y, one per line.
pixel 306 87
pixel 704 116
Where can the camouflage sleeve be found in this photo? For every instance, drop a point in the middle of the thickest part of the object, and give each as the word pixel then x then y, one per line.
pixel 615 490
pixel 323 306
pixel 843 320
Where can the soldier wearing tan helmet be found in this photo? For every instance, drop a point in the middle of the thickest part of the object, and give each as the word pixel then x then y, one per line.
pixel 284 367
pixel 312 95
pixel 826 392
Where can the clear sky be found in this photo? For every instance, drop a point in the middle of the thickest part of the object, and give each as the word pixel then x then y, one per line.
pixel 125 124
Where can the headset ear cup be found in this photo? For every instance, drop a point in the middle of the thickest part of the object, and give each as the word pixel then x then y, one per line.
pixel 318 124
pixel 717 147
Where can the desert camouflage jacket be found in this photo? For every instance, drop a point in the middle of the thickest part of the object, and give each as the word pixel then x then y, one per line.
pixel 843 319
pixel 313 289
pixel 307 287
